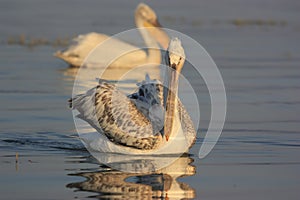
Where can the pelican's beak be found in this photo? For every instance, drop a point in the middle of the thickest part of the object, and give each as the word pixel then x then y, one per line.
pixel 171 104
pixel 156 23
pixel 175 59
pixel 152 23
pixel 167 138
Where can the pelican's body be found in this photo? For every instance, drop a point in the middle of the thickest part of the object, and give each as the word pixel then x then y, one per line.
pixel 131 124
pixel 83 44
pixel 136 124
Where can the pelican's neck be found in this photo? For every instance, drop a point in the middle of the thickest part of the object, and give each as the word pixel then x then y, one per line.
pixel 170 101
pixel 161 37
pixel 154 55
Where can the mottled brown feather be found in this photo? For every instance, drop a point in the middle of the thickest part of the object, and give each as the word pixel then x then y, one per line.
pixel 117 117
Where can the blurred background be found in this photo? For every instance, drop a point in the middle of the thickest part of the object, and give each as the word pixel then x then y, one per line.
pixel 255 44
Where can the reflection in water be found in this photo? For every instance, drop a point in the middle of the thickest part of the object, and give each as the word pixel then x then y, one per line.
pixel 70 73
pixel 126 79
pixel 163 183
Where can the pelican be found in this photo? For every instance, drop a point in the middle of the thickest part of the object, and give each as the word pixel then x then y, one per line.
pixel 136 124
pixel 145 18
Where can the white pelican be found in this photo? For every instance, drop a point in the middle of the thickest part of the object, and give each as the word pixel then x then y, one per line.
pixel 134 124
pixel 146 18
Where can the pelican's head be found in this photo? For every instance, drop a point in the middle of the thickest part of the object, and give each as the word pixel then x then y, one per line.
pixel 145 17
pixel 144 13
pixel 175 55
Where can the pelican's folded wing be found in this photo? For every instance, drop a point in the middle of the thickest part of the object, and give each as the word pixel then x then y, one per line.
pixel 111 111
pixel 107 50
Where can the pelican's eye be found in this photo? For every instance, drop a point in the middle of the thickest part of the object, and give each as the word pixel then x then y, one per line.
pixel 179 60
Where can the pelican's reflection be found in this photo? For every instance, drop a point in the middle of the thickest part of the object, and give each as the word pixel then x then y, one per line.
pixel 162 183
pixel 69 73
pixel 124 78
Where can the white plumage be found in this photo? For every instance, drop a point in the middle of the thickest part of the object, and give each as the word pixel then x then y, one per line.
pixel 146 20
pixel 134 124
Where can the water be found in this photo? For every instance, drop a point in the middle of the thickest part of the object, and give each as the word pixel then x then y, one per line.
pixel 257 156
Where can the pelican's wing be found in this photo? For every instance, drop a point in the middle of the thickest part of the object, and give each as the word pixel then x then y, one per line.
pixel 81 46
pixel 112 113
pixel 111 49
pixel 187 124
pixel 117 53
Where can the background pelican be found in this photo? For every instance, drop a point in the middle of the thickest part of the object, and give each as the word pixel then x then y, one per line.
pixel 133 124
pixel 145 17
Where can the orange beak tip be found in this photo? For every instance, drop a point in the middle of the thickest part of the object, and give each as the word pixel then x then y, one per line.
pixel 167 138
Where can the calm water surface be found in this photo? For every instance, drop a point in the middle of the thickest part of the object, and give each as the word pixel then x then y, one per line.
pixel 257 156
